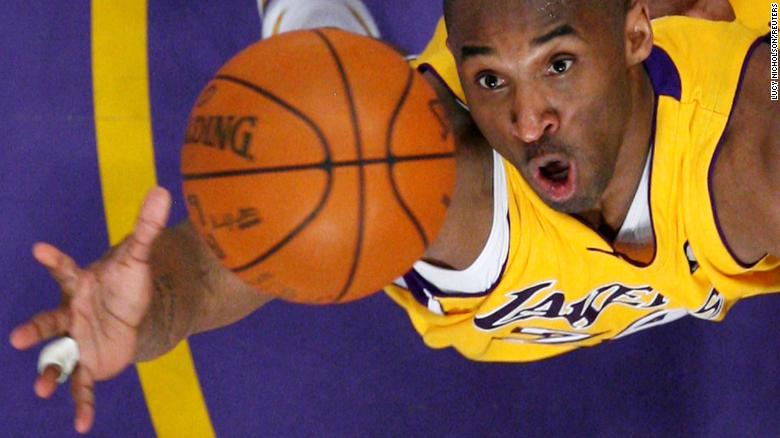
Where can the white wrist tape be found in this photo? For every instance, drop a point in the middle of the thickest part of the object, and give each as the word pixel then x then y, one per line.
pixel 63 353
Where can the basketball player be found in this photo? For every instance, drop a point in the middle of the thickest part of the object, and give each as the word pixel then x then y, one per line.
pixel 609 148
pixel 628 156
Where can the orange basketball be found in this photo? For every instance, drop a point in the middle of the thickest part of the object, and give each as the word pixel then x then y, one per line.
pixel 317 165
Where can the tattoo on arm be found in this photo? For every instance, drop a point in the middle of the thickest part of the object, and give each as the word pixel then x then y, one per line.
pixel 165 307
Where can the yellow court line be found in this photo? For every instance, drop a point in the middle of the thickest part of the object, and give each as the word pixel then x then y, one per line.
pixel 126 160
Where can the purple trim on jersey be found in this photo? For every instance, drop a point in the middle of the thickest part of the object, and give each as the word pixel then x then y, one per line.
pixel 611 242
pixel 425 67
pixel 417 284
pixel 650 157
pixel 663 74
pixel 711 171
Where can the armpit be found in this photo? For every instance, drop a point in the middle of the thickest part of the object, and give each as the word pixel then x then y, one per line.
pixel 746 178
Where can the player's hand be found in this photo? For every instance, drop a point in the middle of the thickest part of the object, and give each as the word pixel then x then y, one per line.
pixel 102 309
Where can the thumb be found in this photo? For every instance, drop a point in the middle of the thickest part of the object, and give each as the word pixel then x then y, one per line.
pixel 151 221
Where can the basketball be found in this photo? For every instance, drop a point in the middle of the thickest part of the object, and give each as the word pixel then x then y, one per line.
pixel 317 166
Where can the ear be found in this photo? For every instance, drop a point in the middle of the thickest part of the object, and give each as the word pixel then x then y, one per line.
pixel 638 33
pixel 451 48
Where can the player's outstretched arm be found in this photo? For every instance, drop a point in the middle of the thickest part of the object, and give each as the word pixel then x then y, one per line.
pixel 155 288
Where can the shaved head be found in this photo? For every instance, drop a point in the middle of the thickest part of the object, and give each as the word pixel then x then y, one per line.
pixel 549 6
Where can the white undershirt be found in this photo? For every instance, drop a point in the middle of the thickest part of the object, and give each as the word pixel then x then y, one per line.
pixel 637 228
pixel 486 269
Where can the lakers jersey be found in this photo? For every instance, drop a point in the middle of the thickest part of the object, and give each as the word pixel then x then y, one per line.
pixel 754 14
pixel 558 285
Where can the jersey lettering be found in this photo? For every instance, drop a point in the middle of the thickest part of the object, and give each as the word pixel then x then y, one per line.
pixel 539 335
pixel 654 319
pixel 712 307
pixel 539 301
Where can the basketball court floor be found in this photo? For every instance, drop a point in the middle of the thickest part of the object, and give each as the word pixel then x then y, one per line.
pixel 288 370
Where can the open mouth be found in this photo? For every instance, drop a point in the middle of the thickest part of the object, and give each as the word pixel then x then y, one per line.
pixel 555 176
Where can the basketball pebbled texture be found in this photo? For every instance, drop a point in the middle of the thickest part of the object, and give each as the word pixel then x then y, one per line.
pixel 317 165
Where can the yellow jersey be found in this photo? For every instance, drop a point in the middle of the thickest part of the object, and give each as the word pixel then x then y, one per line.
pixel 559 285
pixel 754 14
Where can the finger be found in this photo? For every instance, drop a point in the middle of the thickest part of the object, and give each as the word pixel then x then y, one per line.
pixel 39 328
pixel 83 392
pixel 64 270
pixel 151 221
pixel 46 383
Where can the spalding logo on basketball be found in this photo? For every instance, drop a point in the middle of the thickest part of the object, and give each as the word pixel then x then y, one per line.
pixel 317 165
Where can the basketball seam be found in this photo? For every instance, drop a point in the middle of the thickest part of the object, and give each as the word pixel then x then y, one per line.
pixel 392 161
pixel 328 164
pixel 314 166
pixel 323 140
pixel 361 169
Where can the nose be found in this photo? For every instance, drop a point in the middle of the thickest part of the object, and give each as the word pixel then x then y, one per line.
pixel 532 115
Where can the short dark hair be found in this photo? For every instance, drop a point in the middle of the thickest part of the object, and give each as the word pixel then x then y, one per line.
pixel 448 4
pixel 447 7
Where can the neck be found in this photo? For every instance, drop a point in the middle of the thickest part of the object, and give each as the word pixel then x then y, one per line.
pixel 633 152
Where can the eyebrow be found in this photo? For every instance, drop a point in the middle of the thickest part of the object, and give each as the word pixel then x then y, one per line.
pixel 471 51
pixel 559 31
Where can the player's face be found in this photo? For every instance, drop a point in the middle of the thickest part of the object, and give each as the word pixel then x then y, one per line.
pixel 547 84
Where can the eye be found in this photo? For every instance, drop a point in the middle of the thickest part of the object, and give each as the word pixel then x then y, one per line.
pixel 560 66
pixel 490 81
